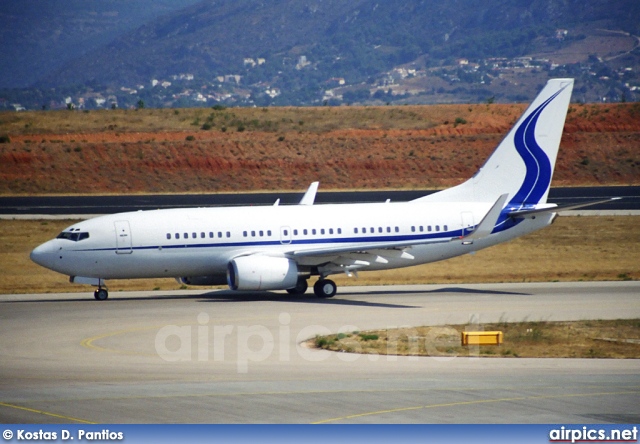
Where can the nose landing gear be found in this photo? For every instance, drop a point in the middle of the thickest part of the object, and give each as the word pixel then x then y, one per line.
pixel 101 294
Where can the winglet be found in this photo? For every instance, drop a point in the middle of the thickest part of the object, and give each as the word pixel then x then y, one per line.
pixel 310 196
pixel 488 222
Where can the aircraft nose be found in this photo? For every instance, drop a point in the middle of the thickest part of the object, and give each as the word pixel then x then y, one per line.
pixel 44 254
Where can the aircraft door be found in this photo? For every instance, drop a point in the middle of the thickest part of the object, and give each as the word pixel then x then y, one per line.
pixel 467 222
pixel 123 237
pixel 285 235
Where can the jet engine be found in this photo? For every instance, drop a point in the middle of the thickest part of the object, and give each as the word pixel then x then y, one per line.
pixel 262 273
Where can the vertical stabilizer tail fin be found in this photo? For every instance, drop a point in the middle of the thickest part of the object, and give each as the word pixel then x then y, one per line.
pixel 522 164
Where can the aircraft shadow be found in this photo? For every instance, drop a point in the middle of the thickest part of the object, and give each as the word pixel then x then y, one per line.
pixel 225 296
pixel 307 298
pixel 440 290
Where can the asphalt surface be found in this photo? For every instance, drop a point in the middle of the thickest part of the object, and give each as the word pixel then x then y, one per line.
pixel 223 357
pixel 58 205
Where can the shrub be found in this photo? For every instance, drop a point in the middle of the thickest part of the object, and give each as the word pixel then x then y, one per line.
pixel 459 121
pixel 191 138
pixel 5 139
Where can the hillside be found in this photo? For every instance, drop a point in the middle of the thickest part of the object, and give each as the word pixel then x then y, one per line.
pixel 244 149
pixel 38 37
pixel 351 40
pixel 308 52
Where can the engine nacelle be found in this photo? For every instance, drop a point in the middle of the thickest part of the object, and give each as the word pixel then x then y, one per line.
pixel 203 280
pixel 262 273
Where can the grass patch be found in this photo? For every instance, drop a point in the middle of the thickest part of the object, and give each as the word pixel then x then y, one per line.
pixel 616 339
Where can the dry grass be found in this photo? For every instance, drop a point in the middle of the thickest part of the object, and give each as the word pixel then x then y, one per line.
pixel 583 339
pixel 248 149
pixel 496 117
pixel 276 119
pixel 572 249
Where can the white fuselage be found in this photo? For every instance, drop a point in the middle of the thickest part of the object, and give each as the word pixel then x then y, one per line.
pixel 202 241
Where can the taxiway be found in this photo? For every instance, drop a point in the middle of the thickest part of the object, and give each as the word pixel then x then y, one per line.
pixel 223 357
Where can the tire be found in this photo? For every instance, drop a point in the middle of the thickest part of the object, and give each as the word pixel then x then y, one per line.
pixel 300 288
pixel 325 288
pixel 101 294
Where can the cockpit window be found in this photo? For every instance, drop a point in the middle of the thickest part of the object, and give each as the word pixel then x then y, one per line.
pixel 75 237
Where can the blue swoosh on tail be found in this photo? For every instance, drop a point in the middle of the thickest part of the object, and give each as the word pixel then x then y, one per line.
pixel 538 175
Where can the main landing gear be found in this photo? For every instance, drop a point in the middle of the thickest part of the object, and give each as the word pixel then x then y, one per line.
pixel 323 288
pixel 300 288
pixel 101 294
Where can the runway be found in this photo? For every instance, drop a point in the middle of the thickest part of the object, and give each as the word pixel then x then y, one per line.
pixel 223 357
pixel 21 206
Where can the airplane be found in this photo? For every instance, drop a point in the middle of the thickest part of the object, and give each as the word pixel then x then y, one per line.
pixel 280 247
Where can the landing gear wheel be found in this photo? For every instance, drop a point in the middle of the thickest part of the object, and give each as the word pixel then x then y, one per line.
pixel 325 288
pixel 101 294
pixel 300 288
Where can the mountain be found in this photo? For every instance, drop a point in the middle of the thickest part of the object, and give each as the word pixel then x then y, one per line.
pixel 38 37
pixel 295 51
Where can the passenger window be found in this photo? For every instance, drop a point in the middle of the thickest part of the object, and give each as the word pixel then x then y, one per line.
pixel 186 235
pixel 202 235
pixel 429 228
pixel 168 235
pixel 355 230
pixel 330 230
pixel 228 233
pixel 295 232
pixel 313 231
pixel 244 233
pixel 269 233
pixel 339 230
pixel 253 234
pixel 177 235
pixel 397 229
pixel 413 229
pixel 388 229
pixel 322 231
pixel 437 227
pixel 261 233
pixel 194 235
pixel 421 228
pixel 286 232
pixel 445 228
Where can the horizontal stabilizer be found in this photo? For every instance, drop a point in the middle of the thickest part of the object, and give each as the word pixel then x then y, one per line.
pixel 488 222
pixel 559 208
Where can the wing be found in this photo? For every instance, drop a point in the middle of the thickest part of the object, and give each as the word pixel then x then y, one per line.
pixel 355 256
